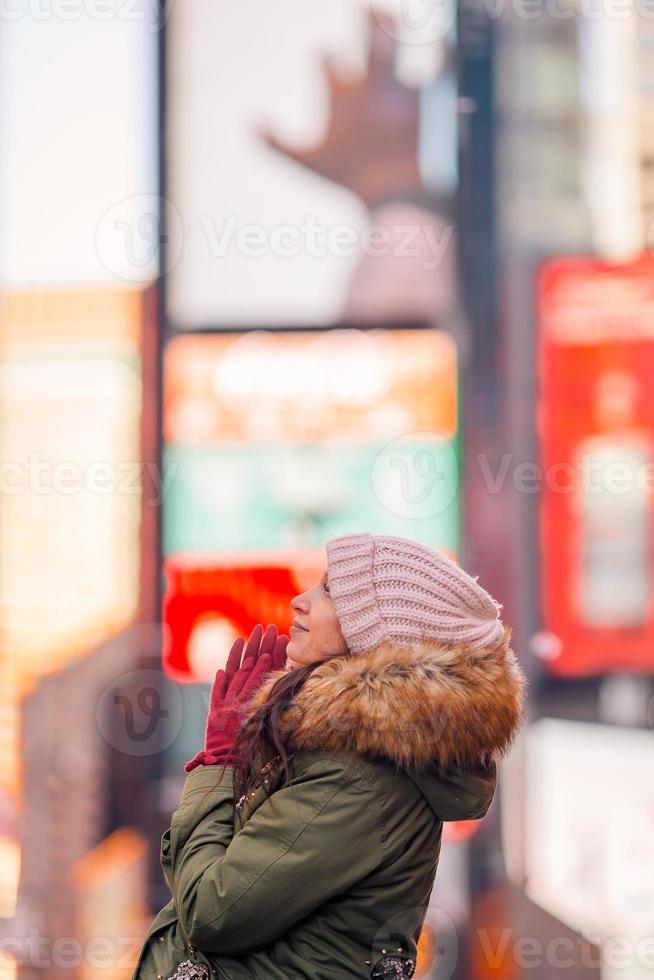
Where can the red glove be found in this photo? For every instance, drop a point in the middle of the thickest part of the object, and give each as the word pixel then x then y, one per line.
pixel 232 689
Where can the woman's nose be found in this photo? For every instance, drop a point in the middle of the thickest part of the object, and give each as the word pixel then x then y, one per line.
pixel 299 603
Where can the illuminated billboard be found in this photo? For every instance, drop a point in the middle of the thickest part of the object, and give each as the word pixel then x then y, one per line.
pixel 596 430
pixel 590 853
pixel 276 441
pixel 71 399
pixel 308 180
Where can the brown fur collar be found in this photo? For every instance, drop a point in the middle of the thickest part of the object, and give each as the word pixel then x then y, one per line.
pixel 415 705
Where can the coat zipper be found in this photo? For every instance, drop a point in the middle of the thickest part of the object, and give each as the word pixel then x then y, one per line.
pixel 240 803
pixel 269 765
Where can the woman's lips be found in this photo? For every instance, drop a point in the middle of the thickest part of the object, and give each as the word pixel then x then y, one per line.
pixel 298 629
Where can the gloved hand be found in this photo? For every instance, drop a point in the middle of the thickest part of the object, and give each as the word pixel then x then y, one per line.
pixel 233 687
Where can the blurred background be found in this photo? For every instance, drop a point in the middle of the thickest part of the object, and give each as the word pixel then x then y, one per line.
pixel 275 271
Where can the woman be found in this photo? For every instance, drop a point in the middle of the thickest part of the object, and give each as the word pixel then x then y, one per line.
pixel 308 835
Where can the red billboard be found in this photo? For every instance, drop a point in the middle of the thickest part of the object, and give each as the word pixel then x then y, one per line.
pixel 212 599
pixel 595 421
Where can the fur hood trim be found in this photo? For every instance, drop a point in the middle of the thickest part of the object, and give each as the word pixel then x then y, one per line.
pixel 416 705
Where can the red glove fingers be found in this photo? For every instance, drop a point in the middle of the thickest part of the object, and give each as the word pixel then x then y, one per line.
pixel 255 678
pixel 273 646
pixel 279 653
pixel 253 644
pixel 269 641
pixel 234 657
pixel 256 649
pixel 233 688
pixel 239 649
pixel 218 691
pixel 248 677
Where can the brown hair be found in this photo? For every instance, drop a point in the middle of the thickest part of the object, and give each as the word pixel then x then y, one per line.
pixel 259 740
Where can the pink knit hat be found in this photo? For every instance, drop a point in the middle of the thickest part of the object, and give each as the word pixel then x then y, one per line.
pixel 389 588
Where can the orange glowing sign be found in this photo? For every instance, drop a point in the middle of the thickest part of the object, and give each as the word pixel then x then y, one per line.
pixel 332 385
pixel 71 400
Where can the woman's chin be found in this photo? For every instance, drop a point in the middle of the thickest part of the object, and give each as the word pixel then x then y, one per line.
pixel 292 662
pixel 294 652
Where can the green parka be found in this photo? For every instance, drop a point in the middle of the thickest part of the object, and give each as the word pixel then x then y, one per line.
pixel 330 876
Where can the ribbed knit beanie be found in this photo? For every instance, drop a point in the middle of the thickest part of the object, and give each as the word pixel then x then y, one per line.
pixel 391 588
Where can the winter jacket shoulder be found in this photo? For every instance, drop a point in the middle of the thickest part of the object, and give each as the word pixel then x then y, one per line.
pixel 330 876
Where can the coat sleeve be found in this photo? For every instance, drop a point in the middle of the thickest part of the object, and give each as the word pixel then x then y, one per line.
pixel 305 844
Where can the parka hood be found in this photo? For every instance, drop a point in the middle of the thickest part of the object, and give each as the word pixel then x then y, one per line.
pixel 426 707
pixel 457 794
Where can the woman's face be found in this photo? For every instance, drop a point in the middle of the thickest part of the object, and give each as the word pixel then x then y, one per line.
pixel 316 632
